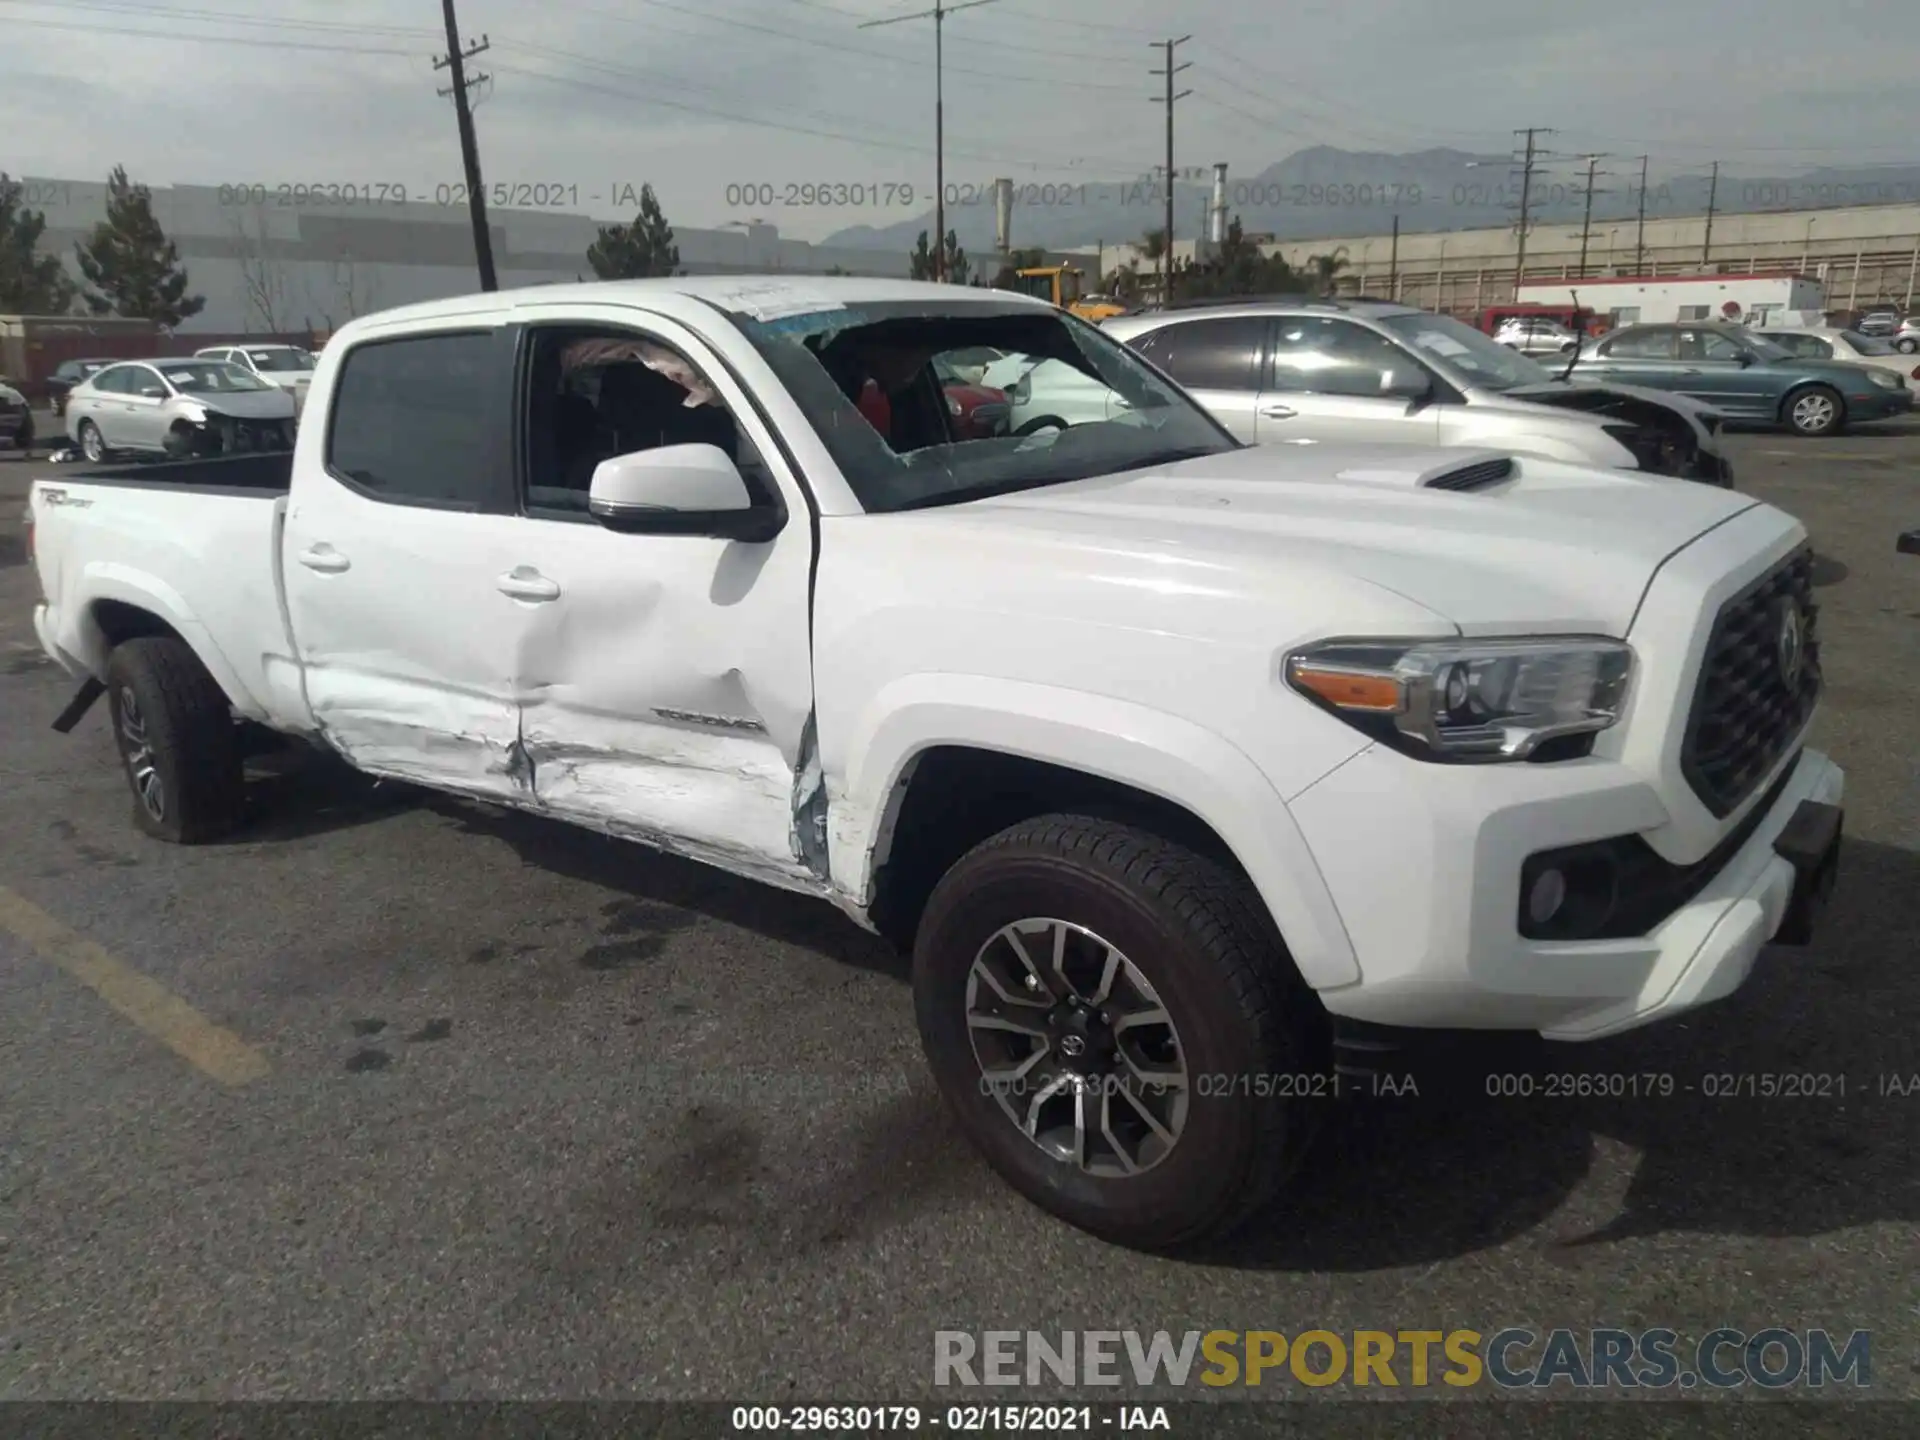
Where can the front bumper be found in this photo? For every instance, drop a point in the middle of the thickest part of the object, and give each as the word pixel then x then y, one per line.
pixel 1880 405
pixel 1424 865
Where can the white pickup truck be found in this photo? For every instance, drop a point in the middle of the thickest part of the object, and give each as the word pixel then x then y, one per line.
pixel 1168 756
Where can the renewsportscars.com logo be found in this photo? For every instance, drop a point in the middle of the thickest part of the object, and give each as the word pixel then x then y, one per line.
pixel 1514 1358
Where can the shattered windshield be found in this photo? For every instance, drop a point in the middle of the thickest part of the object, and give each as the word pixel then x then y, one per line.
pixel 869 380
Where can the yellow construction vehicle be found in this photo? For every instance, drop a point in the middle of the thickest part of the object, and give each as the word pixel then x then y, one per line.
pixel 1060 285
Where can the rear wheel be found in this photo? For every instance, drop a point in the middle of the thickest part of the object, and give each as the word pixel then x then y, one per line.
pixel 1814 410
pixel 178 743
pixel 1907 344
pixel 92 444
pixel 1117 1027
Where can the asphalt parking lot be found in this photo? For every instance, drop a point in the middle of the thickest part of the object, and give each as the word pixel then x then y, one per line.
pixel 394 1096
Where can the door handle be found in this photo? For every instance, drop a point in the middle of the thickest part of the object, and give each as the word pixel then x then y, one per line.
pixel 1277 412
pixel 523 582
pixel 325 559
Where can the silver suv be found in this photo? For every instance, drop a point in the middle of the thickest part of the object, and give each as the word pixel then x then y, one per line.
pixel 1310 371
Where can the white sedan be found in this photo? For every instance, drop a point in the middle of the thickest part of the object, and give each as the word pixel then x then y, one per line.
pixel 1051 394
pixel 1827 342
pixel 177 408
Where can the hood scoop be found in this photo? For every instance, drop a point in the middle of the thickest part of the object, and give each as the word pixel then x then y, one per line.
pixel 1475 470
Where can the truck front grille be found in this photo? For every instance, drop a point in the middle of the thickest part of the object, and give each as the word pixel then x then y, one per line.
pixel 1759 682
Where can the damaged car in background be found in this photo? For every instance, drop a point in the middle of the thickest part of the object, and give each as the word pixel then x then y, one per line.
pixel 1373 372
pixel 180 409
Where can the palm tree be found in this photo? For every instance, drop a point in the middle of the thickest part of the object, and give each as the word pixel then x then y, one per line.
pixel 1324 271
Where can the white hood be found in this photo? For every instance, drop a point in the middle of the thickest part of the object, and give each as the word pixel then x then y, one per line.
pixel 1553 547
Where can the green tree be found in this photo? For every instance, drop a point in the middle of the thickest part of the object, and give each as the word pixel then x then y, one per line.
pixel 1237 267
pixel 31 283
pixel 1008 276
pixel 130 266
pixel 1323 271
pixel 636 251
pixel 920 264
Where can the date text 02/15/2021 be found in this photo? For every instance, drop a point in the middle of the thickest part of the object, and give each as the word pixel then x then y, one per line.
pixel 954 1419
pixel 504 194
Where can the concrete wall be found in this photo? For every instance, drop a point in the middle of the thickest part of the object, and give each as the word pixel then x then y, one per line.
pixel 262 265
pixel 1862 254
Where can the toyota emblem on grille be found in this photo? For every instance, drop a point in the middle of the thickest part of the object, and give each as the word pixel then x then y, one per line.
pixel 1790 645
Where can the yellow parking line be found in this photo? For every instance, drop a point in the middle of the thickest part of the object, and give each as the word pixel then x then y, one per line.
pixel 208 1047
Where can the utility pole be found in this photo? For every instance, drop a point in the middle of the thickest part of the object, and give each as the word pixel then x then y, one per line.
pixel 1529 162
pixel 1713 194
pixel 1393 263
pixel 1166 239
pixel 938 14
pixel 455 60
pixel 1586 222
pixel 1640 234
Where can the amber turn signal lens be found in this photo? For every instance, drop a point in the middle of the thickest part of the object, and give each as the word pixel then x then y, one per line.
pixel 1348 690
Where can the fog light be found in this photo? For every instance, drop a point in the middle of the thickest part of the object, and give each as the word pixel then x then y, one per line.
pixel 1548 894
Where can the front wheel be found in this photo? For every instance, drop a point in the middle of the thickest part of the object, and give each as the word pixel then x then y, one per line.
pixel 1118 1028
pixel 178 743
pixel 1815 410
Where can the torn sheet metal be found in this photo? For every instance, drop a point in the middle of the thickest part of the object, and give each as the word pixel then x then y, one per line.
pixel 810 806
pixel 776 300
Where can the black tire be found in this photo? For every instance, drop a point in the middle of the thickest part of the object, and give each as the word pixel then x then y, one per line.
pixel 93 445
pixel 1201 937
pixel 1817 421
pixel 1044 422
pixel 1907 346
pixel 179 746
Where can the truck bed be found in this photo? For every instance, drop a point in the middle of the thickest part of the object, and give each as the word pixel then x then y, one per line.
pixel 269 473
pixel 193 543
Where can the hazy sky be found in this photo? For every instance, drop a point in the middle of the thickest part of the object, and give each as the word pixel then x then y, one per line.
pixel 696 96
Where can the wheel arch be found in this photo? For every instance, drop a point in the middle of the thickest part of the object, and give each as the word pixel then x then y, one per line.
pixel 954 759
pixel 122 608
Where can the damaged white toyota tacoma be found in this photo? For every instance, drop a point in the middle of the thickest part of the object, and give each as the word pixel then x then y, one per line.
pixel 1169 757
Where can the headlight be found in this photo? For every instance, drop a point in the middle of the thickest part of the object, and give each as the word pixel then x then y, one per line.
pixel 1467 700
pixel 1887 380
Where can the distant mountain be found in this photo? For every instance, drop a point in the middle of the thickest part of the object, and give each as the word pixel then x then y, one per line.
pixel 1324 192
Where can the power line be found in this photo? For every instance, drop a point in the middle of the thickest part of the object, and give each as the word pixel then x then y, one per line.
pixel 121 32
pixel 841 49
pixel 455 62
pixel 939 15
pixel 1166 242
pixel 227 17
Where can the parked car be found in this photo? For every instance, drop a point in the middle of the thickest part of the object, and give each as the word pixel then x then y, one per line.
pixel 1046 394
pixel 16 419
pixel 1532 335
pixel 1878 322
pixel 1374 372
pixel 177 408
pixel 979 411
pixel 1827 342
pixel 290 367
pixel 66 375
pixel 1746 376
pixel 1907 338
pixel 1172 759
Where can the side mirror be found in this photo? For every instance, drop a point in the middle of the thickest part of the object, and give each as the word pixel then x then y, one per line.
pixel 1746 359
pixel 1413 388
pixel 154 392
pixel 680 490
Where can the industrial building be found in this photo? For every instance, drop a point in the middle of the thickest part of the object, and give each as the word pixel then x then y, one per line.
pixel 267 267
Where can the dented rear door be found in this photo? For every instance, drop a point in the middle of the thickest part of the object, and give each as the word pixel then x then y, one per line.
pixel 666 692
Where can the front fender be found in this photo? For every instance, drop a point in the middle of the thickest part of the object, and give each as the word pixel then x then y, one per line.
pixel 1129 744
pixel 78 632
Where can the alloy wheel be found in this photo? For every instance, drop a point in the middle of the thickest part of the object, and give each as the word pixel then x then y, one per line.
pixel 1076 1047
pixel 138 750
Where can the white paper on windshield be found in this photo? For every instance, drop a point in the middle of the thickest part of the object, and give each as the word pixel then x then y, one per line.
pixel 1441 345
pixel 776 299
